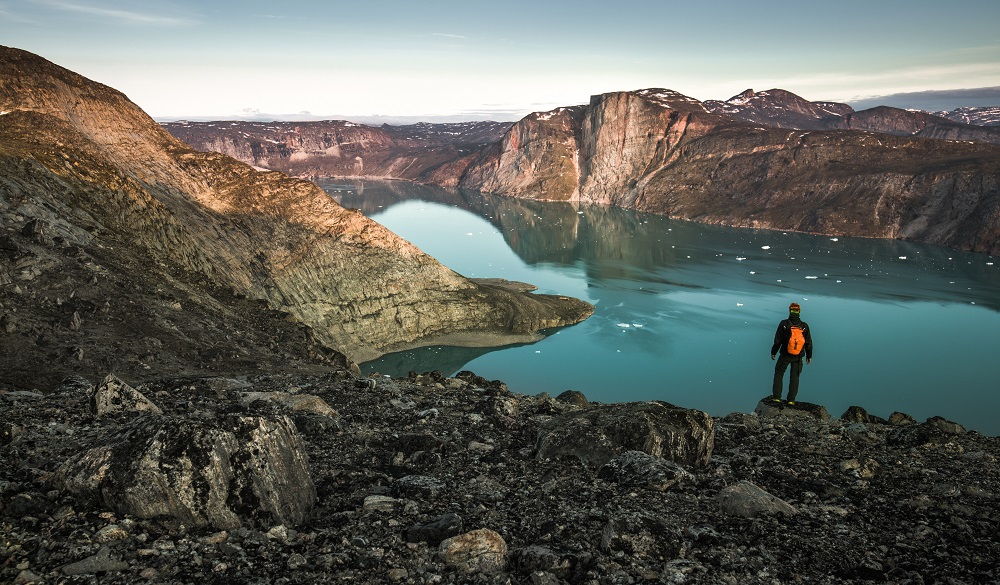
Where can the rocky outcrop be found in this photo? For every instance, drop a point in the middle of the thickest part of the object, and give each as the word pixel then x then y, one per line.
pixel 657 151
pixel 393 484
pixel 747 499
pixel 81 159
pixel 217 474
pixel 338 148
pixel 114 395
pixel 596 434
pixel 768 407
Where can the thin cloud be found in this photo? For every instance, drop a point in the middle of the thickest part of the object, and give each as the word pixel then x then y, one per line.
pixel 126 16
pixel 449 36
pixel 10 16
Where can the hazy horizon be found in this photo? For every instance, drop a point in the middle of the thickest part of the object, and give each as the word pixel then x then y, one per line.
pixel 182 59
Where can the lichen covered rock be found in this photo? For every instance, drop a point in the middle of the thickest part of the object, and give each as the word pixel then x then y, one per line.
pixel 596 434
pixel 478 551
pixel 114 395
pixel 199 473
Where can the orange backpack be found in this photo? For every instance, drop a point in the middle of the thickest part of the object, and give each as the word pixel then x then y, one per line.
pixel 796 340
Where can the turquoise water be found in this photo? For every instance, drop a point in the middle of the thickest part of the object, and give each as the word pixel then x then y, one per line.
pixel 686 312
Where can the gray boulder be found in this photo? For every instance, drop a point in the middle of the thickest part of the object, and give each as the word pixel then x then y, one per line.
pixel 299 403
pixel 200 473
pixel 596 434
pixel 114 395
pixel 438 529
pixel 901 419
pixel 857 414
pixel 806 410
pixel 748 500
pixel 641 470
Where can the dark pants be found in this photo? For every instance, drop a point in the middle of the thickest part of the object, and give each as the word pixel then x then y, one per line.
pixel 779 374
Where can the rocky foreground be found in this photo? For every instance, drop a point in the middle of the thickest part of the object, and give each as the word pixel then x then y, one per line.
pixel 333 478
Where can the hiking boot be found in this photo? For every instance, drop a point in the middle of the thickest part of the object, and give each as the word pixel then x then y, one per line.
pixel 773 399
pixel 790 403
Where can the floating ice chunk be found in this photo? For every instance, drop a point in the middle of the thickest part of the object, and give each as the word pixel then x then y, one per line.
pixel 618 351
pixel 468 233
pixel 752 272
pixel 740 258
pixel 624 325
pixel 811 277
pixel 765 247
pixel 902 257
pixel 739 304
pixel 989 264
pixel 834 239
pixel 638 325
pixel 839 281
pixel 779 280
pixel 538 351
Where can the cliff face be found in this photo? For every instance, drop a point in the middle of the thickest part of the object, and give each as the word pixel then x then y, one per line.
pixel 339 148
pixel 86 162
pixel 657 151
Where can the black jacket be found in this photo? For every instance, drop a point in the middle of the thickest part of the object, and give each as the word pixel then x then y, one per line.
pixel 785 331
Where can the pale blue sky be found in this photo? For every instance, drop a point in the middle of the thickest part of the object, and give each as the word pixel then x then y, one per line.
pixel 436 57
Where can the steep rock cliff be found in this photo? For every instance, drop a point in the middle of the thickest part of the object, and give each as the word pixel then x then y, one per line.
pixel 80 157
pixel 337 148
pixel 657 151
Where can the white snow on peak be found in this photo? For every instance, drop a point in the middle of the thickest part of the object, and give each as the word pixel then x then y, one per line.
pixel 668 97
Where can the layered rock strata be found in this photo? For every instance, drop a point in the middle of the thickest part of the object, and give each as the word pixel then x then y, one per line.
pixel 338 148
pixel 661 152
pixel 85 172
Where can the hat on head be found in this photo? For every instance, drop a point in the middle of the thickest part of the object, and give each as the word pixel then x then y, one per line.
pixel 794 308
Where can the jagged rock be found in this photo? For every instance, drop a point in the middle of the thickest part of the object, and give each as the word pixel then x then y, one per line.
pixel 596 434
pixel 856 414
pixel 534 558
pixel 573 397
pixel 101 562
pixel 629 534
pixel 201 473
pixel 767 407
pixel 114 395
pixel 638 469
pixel 295 402
pixel 864 468
pixel 899 419
pixel 935 431
pixel 438 529
pixel 947 426
pixel 378 503
pixel 747 499
pixel 478 551
pixel 417 485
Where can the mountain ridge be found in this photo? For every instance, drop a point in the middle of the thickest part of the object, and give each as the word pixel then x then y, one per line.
pixel 81 159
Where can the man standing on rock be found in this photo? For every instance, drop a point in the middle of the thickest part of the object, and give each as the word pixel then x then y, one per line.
pixel 793 339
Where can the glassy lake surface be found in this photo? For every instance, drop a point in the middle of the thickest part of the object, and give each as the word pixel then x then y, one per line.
pixel 686 312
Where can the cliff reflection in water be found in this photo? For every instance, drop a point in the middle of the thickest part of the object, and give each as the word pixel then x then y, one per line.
pixel 611 243
pixel 685 312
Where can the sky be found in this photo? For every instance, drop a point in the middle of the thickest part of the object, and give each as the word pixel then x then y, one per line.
pixel 500 59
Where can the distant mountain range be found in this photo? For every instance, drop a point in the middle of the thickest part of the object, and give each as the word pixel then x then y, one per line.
pixel 768 159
